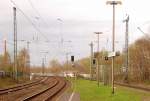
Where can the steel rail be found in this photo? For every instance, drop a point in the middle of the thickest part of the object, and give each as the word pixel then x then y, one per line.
pixel 21 86
pixel 48 93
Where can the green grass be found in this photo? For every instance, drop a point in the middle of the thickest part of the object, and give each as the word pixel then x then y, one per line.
pixel 89 91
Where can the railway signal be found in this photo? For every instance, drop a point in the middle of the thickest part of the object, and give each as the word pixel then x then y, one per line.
pixel 98 58
pixel 94 61
pixel 106 57
pixel 72 58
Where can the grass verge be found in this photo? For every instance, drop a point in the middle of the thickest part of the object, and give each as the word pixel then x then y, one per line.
pixel 89 91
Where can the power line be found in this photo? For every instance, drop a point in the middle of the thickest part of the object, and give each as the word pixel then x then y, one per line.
pixel 34 26
pixel 37 12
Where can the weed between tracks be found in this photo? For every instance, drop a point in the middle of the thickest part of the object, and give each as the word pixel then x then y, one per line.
pixel 89 91
pixel 6 82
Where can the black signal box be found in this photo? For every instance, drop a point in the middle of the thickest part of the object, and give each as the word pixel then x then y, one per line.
pixel 94 61
pixel 72 58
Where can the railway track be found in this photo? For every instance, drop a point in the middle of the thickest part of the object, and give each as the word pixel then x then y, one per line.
pixel 49 93
pixel 41 90
pixel 20 86
pixel 133 86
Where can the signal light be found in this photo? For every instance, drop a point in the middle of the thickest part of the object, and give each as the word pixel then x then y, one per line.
pixel 72 58
pixel 94 61
pixel 106 58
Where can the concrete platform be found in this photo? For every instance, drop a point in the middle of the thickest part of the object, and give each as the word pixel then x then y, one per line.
pixel 70 97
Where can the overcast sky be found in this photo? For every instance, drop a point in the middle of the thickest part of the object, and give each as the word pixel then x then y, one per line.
pixel 78 19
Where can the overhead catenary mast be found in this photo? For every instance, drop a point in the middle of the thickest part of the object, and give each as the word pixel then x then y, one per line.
pixel 15 45
pixel 5 50
pixel 126 48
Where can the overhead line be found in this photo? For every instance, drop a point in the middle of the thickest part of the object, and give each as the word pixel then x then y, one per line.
pixel 37 12
pixel 34 26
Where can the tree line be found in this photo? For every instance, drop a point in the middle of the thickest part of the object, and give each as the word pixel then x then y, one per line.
pixel 7 64
pixel 138 70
